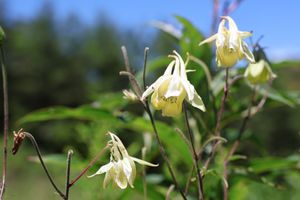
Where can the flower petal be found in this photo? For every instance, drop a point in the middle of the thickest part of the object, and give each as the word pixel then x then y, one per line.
pixel 142 162
pixel 208 40
pixel 247 53
pixel 154 86
pixel 196 101
pixel 103 169
pixel 120 177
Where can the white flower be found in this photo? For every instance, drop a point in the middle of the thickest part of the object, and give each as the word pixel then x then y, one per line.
pixel 172 88
pixel 121 168
pixel 230 45
pixel 258 73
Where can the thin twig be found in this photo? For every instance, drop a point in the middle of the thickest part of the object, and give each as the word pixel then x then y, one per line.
pixel 89 166
pixel 70 153
pixel 132 79
pixel 219 117
pixel 144 149
pixel 232 7
pixel 145 67
pixel 215 16
pixel 195 156
pixel 5 131
pixel 187 185
pixel 34 143
pixel 171 188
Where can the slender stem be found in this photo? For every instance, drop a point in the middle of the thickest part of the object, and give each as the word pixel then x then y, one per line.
pixel 162 150
pixel 70 153
pixel 89 166
pixel 195 156
pixel 34 143
pixel 187 185
pixel 145 66
pixel 5 131
pixel 144 149
pixel 219 117
pixel 215 15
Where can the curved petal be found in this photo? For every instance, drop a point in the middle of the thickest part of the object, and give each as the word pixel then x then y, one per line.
pixel 208 40
pixel 103 169
pixel 196 101
pixel 187 87
pixel 120 177
pixel 108 177
pixel 133 173
pixel 247 53
pixel 174 87
pixel 127 169
pixel 170 68
pixel 142 162
pixel 154 86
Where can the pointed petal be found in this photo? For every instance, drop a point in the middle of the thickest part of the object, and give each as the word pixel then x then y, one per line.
pixel 103 169
pixel 142 162
pixel 231 24
pixel 245 34
pixel 120 178
pixel 154 86
pixel 169 69
pixel 126 168
pixel 208 40
pixel 133 173
pixel 247 53
pixel 108 177
pixel 189 91
pixel 196 101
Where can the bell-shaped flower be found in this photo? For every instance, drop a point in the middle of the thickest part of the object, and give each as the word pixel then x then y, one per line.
pixel 230 46
pixel 169 90
pixel 121 168
pixel 259 73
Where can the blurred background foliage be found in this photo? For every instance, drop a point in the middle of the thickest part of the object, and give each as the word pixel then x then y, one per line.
pixel 65 88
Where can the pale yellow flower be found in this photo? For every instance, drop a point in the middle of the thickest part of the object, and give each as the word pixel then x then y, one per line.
pixel 259 73
pixel 172 88
pixel 121 168
pixel 129 95
pixel 230 46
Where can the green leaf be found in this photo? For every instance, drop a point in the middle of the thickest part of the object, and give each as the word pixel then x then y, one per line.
pixel 2 34
pixel 85 112
pixel 279 96
pixel 190 39
pixel 265 164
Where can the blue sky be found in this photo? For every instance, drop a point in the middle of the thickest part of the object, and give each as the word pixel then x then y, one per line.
pixel 278 20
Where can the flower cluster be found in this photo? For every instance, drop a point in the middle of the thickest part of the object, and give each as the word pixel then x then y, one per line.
pixel 121 168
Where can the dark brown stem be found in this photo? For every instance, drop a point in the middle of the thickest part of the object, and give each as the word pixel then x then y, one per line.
pixel 195 156
pixel 219 117
pixel 34 143
pixel 162 151
pixel 89 166
pixel 70 153
pixel 5 131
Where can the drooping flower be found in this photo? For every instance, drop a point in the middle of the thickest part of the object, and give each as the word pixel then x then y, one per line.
pixel 172 88
pixel 121 168
pixel 259 73
pixel 230 46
